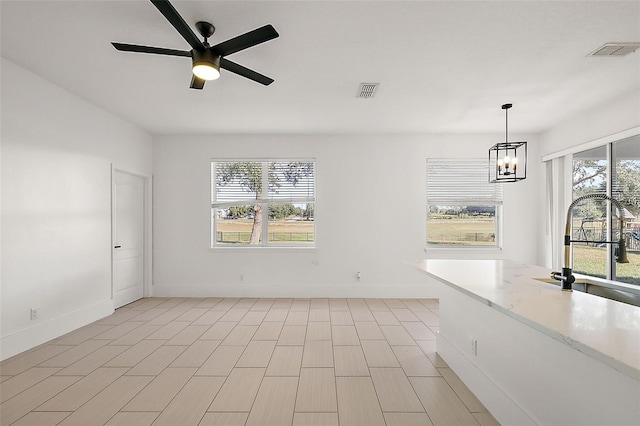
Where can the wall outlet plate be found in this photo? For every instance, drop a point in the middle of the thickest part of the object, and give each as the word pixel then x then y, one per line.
pixel 34 313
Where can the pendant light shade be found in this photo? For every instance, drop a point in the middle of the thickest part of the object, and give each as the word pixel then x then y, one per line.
pixel 507 160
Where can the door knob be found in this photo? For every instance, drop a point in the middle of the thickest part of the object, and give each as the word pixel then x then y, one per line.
pixel 117 246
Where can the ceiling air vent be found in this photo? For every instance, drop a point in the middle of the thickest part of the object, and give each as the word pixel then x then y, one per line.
pixel 367 90
pixel 615 49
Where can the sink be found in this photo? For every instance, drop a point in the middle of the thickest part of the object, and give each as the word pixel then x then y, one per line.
pixel 621 292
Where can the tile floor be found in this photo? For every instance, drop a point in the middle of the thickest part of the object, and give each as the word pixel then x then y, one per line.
pixel 213 361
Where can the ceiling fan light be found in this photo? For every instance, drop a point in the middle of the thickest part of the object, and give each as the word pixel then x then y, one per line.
pixel 206 71
pixel 206 65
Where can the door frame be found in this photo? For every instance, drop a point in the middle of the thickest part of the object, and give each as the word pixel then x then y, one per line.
pixel 147 288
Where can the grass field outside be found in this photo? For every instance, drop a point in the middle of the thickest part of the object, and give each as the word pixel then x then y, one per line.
pixel 468 231
pixel 587 260
pixel 292 230
pixel 591 261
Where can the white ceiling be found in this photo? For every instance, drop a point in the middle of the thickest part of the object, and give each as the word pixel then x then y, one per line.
pixel 443 66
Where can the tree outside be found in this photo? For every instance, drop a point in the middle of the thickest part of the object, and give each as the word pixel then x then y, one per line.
pixel 590 176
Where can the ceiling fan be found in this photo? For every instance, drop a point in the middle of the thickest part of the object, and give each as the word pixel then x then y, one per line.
pixel 207 60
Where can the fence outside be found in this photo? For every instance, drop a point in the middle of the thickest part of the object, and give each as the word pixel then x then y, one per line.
pixel 274 237
pixel 631 236
pixel 462 238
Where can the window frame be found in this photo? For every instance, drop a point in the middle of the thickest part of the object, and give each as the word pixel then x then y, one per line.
pixel 468 201
pixel 265 201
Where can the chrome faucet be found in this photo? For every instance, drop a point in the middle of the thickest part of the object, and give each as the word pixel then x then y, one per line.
pixel 566 277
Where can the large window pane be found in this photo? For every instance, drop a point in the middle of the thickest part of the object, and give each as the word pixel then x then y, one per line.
pixel 291 224
pixel 235 224
pixel 626 189
pixel 589 224
pixel 461 225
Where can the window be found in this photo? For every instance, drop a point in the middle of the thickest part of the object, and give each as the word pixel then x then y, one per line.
pixel 612 169
pixel 463 208
pixel 263 203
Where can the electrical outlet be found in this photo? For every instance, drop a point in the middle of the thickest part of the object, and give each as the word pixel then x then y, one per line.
pixel 34 313
pixel 358 275
pixel 474 347
pixel 241 277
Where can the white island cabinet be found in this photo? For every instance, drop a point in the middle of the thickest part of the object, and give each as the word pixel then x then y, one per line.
pixel 534 354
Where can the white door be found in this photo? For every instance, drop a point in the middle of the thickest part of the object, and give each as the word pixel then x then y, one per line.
pixel 128 238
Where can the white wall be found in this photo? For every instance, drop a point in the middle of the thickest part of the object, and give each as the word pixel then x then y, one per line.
pixel 618 115
pixel 57 151
pixel 379 180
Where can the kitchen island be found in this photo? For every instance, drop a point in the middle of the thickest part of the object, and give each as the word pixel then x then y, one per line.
pixel 534 354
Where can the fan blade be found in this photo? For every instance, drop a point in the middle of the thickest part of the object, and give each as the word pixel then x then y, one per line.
pixel 178 23
pixel 245 72
pixel 196 82
pixel 246 40
pixel 148 49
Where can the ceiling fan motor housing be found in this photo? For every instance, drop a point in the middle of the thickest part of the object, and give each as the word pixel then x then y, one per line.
pixel 205 57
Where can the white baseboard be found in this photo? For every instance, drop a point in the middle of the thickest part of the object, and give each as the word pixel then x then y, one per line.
pixel 352 290
pixel 42 332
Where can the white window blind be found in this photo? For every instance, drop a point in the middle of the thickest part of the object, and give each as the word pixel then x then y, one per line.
pixel 461 182
pixel 241 182
pixel 236 182
pixel 291 181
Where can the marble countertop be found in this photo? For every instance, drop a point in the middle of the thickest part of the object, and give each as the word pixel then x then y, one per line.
pixel 600 328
